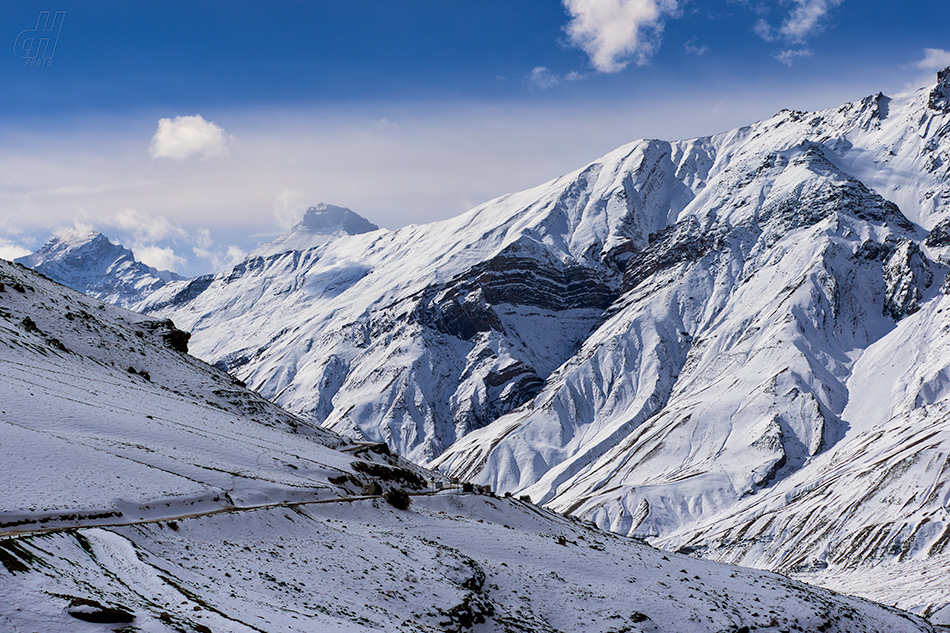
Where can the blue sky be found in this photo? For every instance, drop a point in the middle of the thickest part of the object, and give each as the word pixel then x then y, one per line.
pixel 192 131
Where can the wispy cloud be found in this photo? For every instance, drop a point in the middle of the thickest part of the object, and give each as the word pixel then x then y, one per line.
pixel 10 250
pixel 152 239
pixel 145 228
pixel 220 257
pixel 541 78
pixel 289 208
pixel 692 49
pixel 807 19
pixel 764 30
pixel 79 228
pixel 187 137
pixel 615 32
pixel 789 56
pixel 934 59
pixel 13 243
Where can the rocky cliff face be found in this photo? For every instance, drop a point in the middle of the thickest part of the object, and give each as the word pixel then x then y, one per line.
pixel 940 95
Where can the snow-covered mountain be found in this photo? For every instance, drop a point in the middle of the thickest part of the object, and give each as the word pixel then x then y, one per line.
pixel 88 262
pixel 678 341
pixel 147 491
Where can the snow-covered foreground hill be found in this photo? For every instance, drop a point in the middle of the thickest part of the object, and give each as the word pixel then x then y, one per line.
pixel 146 491
pixel 103 414
pixel 448 563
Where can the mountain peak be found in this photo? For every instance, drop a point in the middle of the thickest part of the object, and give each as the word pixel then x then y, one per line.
pixel 87 261
pixel 78 237
pixel 321 224
pixel 329 218
pixel 72 242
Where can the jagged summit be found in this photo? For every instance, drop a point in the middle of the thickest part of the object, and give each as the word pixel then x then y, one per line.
pixel 85 260
pixel 321 224
pixel 78 243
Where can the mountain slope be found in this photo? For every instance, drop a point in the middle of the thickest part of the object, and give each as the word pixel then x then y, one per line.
pixel 325 330
pixel 146 491
pixel 88 262
pixel 94 393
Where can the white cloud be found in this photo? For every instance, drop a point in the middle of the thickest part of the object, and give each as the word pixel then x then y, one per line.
pixel 289 208
pixel 806 19
pixel 187 137
pixel 203 239
pixel 934 59
pixel 220 258
pixel 234 255
pixel 542 78
pixel 692 49
pixel 789 56
pixel 614 32
pixel 145 228
pixel 79 228
pixel 764 30
pixel 163 258
pixel 10 251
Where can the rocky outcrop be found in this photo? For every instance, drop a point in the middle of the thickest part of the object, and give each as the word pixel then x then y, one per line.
pixel 188 292
pixel 327 218
pixel 906 275
pixel 939 235
pixel 173 337
pixel 463 307
pixel 940 95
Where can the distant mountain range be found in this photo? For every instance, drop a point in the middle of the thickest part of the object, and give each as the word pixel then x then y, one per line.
pixel 732 345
